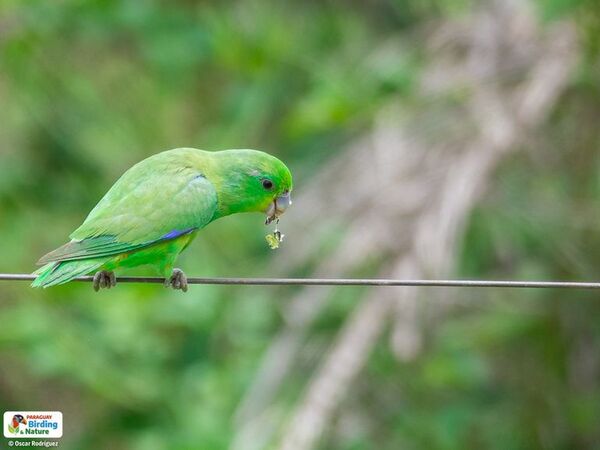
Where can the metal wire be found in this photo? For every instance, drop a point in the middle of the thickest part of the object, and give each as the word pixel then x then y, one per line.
pixel 341 282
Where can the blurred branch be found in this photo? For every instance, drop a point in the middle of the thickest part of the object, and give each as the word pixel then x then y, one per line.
pixel 421 177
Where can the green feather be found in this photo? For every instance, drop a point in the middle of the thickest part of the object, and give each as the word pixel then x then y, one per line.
pixel 57 273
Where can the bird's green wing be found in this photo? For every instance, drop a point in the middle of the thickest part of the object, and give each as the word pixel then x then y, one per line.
pixel 148 204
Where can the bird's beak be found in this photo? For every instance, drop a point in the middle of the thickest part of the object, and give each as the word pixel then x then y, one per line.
pixel 23 421
pixel 278 207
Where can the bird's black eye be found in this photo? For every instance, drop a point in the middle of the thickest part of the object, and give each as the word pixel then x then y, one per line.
pixel 267 184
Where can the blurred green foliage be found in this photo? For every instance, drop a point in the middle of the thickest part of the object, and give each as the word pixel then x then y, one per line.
pixel 87 88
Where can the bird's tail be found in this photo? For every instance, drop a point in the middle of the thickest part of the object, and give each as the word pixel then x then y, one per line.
pixel 63 271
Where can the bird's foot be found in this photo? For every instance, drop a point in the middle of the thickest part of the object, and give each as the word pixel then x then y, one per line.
pixel 104 279
pixel 178 280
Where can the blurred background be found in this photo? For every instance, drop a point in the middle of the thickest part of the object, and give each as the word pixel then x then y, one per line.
pixel 428 138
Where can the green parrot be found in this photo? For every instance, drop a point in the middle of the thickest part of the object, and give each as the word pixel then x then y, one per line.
pixel 153 212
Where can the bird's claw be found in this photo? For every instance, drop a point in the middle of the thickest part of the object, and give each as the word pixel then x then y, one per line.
pixel 104 279
pixel 178 280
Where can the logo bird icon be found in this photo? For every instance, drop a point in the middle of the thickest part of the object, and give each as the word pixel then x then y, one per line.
pixel 17 419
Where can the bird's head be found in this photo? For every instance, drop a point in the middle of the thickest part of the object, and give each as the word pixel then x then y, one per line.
pixel 17 419
pixel 252 181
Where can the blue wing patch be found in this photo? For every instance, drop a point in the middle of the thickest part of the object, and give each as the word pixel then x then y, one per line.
pixel 176 233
